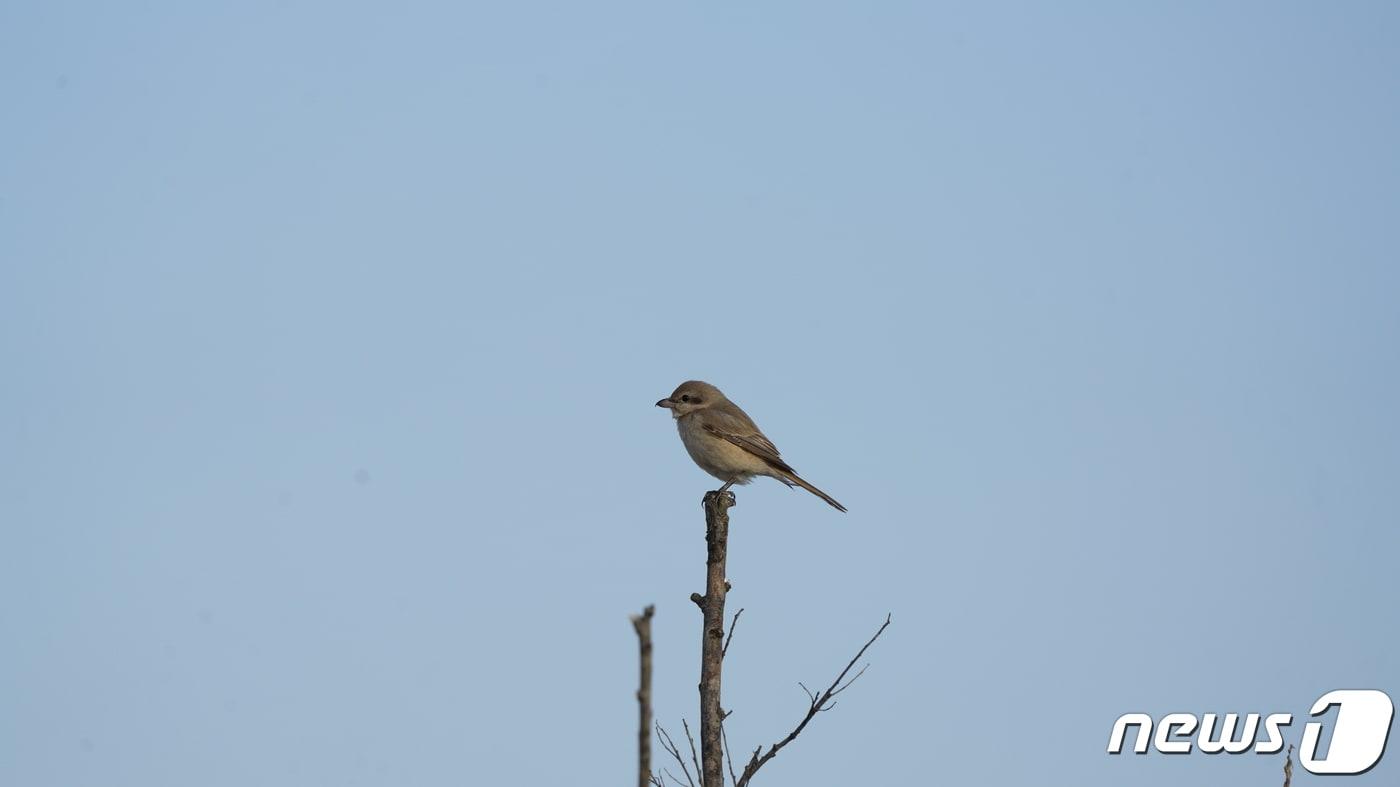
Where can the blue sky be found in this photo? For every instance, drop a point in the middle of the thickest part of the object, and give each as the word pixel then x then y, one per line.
pixel 331 333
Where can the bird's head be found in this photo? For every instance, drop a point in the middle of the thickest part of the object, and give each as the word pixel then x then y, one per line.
pixel 689 397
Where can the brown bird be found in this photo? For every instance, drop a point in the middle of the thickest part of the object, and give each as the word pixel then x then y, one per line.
pixel 725 441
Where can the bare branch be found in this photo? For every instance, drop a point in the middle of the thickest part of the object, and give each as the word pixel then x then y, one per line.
pixel 671 748
pixel 848 683
pixel 717 505
pixel 695 760
pixel 724 737
pixel 642 624
pixel 725 651
pixel 820 703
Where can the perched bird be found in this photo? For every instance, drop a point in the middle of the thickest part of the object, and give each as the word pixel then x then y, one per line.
pixel 725 441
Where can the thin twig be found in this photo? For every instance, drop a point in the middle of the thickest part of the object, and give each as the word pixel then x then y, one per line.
pixel 694 758
pixel 670 746
pixel 724 736
pixel 817 704
pixel 852 680
pixel 725 651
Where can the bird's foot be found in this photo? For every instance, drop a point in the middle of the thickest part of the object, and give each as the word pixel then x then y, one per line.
pixel 722 494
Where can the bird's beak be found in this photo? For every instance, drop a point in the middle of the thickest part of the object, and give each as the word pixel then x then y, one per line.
pixel 667 403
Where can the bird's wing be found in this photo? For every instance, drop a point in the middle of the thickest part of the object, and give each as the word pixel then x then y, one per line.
pixel 737 428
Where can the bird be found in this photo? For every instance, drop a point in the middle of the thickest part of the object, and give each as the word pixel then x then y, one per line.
pixel 725 442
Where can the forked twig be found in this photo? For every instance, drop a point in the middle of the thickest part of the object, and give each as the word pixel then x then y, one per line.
pixel 817 704
pixel 670 746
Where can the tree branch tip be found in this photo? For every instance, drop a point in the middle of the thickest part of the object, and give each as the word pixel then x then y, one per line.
pixel 698 599
pixel 723 500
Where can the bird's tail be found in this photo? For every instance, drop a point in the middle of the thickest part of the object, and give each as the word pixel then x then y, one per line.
pixel 796 479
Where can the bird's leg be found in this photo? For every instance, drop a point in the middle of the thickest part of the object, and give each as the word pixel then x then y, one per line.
pixel 725 488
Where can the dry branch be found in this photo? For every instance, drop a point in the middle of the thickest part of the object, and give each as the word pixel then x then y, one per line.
pixel 818 703
pixel 730 636
pixel 670 746
pixel 714 753
pixel 717 505
pixel 642 624
pixel 727 761
pixel 693 759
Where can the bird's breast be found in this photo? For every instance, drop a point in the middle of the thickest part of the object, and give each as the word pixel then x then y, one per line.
pixel 715 455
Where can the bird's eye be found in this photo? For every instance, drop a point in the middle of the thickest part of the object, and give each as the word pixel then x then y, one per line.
pixel 685 398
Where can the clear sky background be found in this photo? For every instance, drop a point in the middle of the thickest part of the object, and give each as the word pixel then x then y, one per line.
pixel 330 336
